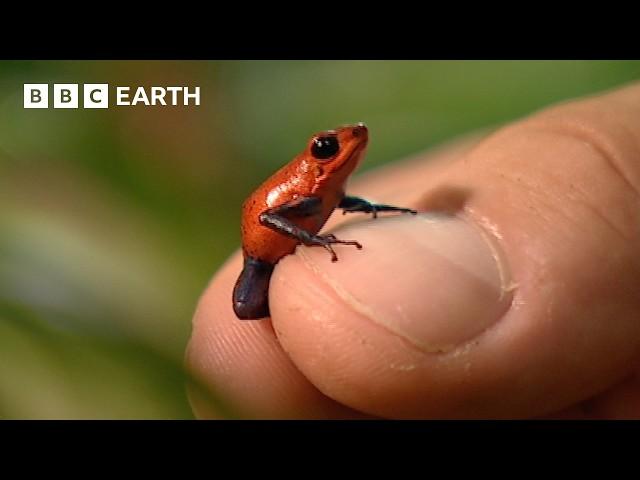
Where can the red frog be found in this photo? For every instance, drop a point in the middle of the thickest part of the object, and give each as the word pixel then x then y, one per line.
pixel 293 205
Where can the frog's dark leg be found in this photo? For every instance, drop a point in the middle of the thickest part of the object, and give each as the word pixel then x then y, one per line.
pixel 355 204
pixel 280 219
pixel 299 207
pixel 251 292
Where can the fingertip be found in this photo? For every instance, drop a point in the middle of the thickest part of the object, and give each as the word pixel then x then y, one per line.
pixel 367 330
pixel 434 280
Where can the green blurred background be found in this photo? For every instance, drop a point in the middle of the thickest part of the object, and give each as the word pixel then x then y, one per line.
pixel 112 221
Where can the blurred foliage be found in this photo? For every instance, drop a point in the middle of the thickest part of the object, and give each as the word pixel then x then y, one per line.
pixel 112 221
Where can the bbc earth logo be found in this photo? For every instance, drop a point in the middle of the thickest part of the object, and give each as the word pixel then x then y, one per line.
pixel 96 95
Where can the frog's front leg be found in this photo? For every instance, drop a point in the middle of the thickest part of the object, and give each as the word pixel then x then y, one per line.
pixel 356 204
pixel 279 220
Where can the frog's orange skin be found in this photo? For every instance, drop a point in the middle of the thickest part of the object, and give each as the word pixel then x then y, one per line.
pixel 304 176
pixel 293 205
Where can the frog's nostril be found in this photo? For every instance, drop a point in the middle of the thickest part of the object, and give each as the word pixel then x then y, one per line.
pixel 359 130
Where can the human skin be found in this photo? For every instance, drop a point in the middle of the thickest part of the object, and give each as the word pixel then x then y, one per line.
pixel 515 293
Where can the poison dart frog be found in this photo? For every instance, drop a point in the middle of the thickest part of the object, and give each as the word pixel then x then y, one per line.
pixel 291 207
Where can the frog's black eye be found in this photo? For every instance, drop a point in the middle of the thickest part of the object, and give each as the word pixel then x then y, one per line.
pixel 323 148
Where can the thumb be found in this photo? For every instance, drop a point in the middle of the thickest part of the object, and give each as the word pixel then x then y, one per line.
pixel 514 294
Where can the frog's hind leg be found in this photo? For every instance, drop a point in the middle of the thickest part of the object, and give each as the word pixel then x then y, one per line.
pixel 251 293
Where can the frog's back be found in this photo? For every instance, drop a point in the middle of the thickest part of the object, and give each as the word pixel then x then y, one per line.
pixel 287 184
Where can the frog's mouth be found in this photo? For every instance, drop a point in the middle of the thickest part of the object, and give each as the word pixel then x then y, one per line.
pixel 356 151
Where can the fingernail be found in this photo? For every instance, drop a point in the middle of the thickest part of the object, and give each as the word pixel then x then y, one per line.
pixel 436 280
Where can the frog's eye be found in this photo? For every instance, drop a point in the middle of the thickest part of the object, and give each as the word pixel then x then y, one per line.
pixel 323 148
